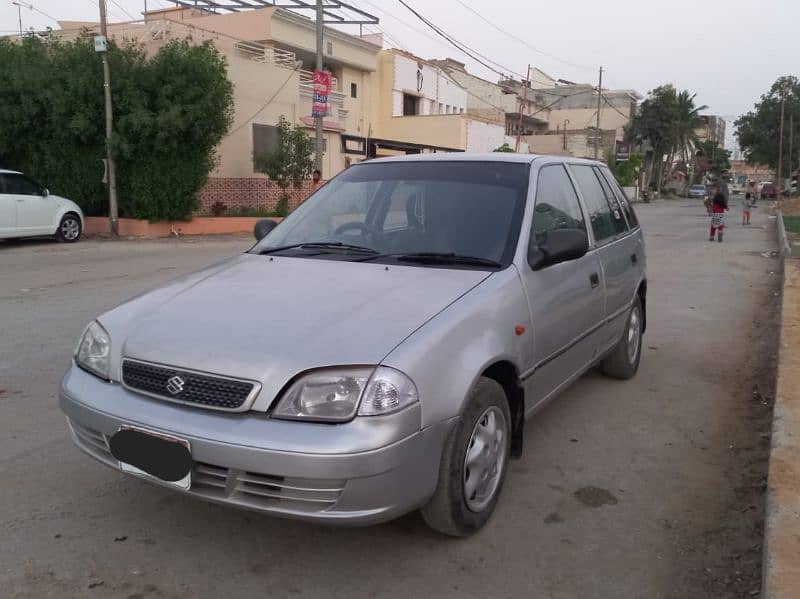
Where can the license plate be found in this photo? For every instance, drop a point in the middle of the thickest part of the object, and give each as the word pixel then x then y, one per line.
pixel 153 455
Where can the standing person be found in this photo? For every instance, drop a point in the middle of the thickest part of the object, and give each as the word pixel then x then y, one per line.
pixel 719 205
pixel 316 180
pixel 748 204
pixel 751 188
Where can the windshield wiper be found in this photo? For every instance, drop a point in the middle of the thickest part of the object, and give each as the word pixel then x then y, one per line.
pixel 324 245
pixel 437 258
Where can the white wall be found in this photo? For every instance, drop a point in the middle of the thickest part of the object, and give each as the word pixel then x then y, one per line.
pixel 436 87
pixel 486 137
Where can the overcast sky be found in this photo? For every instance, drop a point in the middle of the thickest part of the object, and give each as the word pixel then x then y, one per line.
pixel 728 51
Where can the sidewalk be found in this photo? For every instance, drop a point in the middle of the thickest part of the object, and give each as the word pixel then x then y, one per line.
pixel 782 527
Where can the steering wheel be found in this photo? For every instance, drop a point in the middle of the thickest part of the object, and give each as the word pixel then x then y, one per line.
pixel 361 227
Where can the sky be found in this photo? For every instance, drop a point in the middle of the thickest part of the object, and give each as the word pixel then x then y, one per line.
pixel 727 51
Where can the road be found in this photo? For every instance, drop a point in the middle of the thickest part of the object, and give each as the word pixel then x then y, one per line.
pixel 647 488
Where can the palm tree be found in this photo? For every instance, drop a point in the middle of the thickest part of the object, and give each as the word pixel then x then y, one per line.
pixel 686 121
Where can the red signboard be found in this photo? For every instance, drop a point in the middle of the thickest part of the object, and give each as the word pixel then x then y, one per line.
pixel 322 90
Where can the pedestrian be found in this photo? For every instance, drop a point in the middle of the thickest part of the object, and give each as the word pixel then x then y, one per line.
pixel 747 207
pixel 751 188
pixel 718 207
pixel 316 180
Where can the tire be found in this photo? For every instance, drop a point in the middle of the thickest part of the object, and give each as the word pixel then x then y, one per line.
pixel 623 361
pixel 450 511
pixel 69 229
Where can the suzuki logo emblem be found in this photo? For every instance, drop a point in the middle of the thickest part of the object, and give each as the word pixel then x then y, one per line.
pixel 175 385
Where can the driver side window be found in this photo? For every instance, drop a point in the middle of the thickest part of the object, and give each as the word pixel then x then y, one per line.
pixel 21 185
pixel 557 205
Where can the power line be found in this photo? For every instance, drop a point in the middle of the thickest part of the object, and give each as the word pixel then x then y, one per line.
pixel 607 101
pixel 522 41
pixel 267 103
pixel 473 54
pixel 41 12
pixel 115 3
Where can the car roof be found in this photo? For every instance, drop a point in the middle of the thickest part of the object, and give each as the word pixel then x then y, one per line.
pixel 4 171
pixel 480 157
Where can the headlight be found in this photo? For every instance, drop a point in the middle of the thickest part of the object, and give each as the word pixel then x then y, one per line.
pixel 334 395
pixel 93 350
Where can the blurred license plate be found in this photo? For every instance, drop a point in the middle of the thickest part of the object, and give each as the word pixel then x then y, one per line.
pixel 153 455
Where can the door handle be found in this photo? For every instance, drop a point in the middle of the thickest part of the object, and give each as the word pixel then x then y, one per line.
pixel 634 258
pixel 594 279
pixel 20 199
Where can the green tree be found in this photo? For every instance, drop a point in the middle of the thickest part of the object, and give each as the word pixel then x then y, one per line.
pixel 758 131
pixel 290 163
pixel 711 158
pixel 504 148
pixel 687 121
pixel 171 111
pixel 626 171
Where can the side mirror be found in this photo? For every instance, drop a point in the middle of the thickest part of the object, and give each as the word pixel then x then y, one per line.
pixel 263 227
pixel 556 246
pixel 45 192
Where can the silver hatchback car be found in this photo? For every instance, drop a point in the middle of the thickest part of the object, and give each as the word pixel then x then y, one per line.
pixel 379 350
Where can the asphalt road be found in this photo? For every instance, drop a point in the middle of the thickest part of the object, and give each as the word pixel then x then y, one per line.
pixel 647 488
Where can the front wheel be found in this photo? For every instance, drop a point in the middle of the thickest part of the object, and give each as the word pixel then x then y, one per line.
pixel 623 361
pixel 474 463
pixel 69 229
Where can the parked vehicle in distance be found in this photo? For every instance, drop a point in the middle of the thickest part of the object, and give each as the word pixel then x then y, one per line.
pixel 27 209
pixel 380 348
pixel 768 192
pixel 697 191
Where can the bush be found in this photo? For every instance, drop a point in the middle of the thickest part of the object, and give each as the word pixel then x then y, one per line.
pixel 171 111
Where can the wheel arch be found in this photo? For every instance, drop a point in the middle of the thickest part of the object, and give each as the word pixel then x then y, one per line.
pixel 506 375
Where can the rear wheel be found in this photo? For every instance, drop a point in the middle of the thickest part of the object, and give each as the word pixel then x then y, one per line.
pixel 69 229
pixel 474 463
pixel 623 361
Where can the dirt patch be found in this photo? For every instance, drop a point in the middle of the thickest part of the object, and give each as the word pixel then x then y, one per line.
pixel 595 497
pixel 730 549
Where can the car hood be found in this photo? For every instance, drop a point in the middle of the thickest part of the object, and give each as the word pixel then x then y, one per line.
pixel 268 318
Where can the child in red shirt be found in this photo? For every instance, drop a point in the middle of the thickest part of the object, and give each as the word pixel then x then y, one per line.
pixel 718 207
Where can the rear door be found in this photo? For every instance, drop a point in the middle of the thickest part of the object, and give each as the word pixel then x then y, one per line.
pixel 618 256
pixel 35 212
pixel 8 210
pixel 566 300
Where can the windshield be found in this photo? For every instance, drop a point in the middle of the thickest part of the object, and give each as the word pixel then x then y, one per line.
pixel 698 187
pixel 396 209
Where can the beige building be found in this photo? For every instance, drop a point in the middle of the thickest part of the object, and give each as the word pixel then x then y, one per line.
pixel 422 104
pixel 713 129
pixel 271 55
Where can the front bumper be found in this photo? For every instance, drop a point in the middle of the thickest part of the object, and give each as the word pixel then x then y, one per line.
pixel 363 472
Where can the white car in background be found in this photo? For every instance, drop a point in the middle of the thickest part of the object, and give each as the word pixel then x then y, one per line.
pixel 28 210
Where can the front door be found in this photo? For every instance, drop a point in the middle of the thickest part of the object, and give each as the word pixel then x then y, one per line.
pixel 566 300
pixel 35 211
pixel 8 210
pixel 615 247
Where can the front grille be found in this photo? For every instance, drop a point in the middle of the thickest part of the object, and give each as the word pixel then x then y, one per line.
pixel 201 389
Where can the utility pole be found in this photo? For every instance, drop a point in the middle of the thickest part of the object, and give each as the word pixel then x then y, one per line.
pixel 112 175
pixel 522 106
pixel 599 96
pixel 566 122
pixel 320 24
pixel 780 147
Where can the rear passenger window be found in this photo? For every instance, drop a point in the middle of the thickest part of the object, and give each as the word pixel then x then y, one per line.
pixel 557 205
pixel 616 211
pixel 622 198
pixel 603 223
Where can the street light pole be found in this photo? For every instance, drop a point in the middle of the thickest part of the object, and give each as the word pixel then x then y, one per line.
pixel 320 24
pixel 523 103
pixel 112 175
pixel 19 16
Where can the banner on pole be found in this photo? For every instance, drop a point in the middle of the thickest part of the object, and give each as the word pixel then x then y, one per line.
pixel 322 90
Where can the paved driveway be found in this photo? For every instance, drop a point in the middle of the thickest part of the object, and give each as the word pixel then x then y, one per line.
pixel 648 488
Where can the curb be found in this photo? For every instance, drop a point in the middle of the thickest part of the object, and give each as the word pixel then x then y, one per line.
pixel 781 568
pixel 783 241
